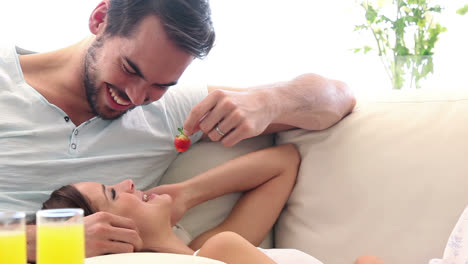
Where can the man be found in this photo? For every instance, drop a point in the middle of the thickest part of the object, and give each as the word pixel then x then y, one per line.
pixel 71 115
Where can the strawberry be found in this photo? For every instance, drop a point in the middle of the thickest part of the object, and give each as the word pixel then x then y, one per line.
pixel 181 142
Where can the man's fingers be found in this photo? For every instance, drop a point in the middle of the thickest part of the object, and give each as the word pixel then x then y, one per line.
pixel 240 132
pixel 102 228
pixel 101 247
pixel 201 111
pixel 221 117
pixel 125 230
pixel 125 235
pixel 119 247
pixel 224 127
pixel 120 221
pixel 232 138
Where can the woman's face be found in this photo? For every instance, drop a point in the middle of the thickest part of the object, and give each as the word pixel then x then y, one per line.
pixel 122 199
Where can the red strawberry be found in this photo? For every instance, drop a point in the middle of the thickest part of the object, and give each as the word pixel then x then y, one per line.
pixel 181 142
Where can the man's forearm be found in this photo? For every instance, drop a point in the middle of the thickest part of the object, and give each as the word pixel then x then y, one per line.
pixel 309 101
pixel 31 242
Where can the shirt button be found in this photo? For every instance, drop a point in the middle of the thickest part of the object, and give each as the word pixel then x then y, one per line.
pixel 76 132
pixel 66 119
pixel 73 146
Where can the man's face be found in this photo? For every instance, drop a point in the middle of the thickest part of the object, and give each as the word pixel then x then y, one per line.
pixel 121 73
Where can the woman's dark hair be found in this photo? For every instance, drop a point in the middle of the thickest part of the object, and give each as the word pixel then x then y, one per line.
pixel 186 22
pixel 68 197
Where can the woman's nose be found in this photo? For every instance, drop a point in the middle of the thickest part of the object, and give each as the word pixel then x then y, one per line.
pixel 127 186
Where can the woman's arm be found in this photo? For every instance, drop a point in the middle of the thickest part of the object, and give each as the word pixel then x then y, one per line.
pixel 266 176
pixel 272 174
pixel 368 259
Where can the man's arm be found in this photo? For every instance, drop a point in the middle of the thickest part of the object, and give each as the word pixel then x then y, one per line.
pixel 308 101
pixel 31 242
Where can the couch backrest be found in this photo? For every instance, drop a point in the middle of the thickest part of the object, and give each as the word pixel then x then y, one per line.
pixel 391 180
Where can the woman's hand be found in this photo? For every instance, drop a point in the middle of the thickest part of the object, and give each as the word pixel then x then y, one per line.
pixel 179 199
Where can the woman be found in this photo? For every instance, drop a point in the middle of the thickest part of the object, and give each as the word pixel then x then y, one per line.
pixel 266 177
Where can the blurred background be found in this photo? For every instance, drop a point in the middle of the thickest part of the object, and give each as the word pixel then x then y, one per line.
pixel 260 41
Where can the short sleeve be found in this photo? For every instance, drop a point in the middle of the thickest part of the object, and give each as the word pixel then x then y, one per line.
pixel 174 107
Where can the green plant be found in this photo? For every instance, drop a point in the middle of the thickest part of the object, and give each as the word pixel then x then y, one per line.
pixel 463 10
pixel 405 34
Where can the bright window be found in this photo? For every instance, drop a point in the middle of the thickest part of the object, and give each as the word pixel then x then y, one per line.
pixel 258 40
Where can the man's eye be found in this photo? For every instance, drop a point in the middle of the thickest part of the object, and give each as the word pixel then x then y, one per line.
pixel 113 194
pixel 127 70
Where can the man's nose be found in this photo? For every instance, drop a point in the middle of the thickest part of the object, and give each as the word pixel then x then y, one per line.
pixel 137 93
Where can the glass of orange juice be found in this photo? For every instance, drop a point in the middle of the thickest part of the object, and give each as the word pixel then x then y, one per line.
pixel 60 236
pixel 12 238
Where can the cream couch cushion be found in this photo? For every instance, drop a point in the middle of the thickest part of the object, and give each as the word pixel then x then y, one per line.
pixel 390 180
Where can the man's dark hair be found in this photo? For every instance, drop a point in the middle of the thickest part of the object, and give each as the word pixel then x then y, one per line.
pixel 186 22
pixel 68 197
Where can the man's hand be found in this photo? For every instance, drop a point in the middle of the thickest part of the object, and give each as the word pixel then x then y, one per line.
pixel 179 198
pixel 308 101
pixel 107 233
pixel 230 116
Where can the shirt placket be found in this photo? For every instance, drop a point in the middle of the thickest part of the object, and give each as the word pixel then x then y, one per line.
pixel 74 138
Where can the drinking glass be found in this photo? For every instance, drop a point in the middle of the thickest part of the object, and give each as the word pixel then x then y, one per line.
pixel 60 236
pixel 12 238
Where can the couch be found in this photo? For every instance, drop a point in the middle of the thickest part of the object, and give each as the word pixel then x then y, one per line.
pixel 389 180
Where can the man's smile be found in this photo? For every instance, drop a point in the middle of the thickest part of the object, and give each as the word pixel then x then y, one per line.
pixel 116 101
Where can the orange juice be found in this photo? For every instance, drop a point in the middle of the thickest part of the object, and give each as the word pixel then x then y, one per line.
pixel 12 247
pixel 60 243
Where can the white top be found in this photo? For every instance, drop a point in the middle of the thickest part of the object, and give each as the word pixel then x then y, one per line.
pixel 150 258
pixel 456 250
pixel 286 256
pixel 41 149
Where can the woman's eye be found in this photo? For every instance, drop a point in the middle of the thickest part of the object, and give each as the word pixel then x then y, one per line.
pixel 113 194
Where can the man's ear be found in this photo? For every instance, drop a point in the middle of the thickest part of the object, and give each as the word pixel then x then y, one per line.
pixel 97 20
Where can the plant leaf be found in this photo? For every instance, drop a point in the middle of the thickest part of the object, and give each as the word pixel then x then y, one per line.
pixel 371 14
pixel 463 10
pixel 360 27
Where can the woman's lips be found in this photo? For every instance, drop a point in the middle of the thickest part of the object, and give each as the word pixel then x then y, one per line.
pixel 147 198
pixel 151 196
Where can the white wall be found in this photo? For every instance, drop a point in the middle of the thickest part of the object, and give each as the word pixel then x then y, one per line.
pixel 257 40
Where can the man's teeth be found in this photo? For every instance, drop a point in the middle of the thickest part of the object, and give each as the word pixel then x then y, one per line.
pixel 145 197
pixel 117 98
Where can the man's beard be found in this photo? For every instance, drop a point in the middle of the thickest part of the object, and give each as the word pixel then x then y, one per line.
pixel 89 81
